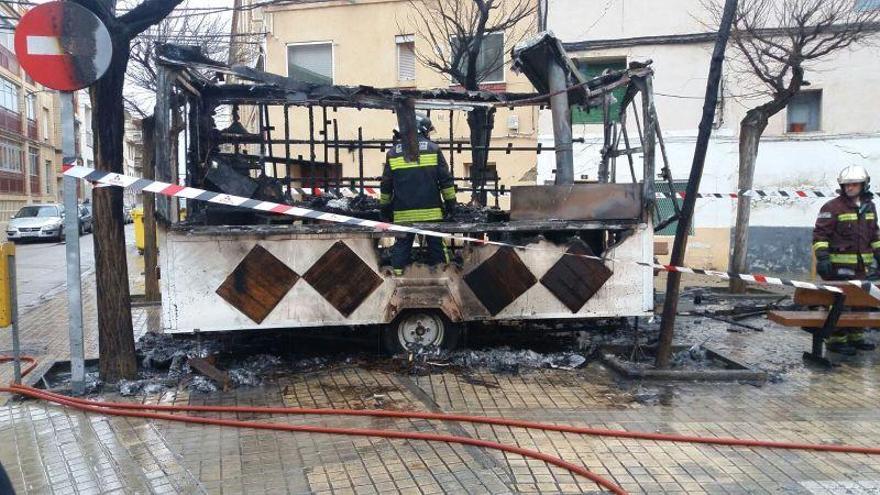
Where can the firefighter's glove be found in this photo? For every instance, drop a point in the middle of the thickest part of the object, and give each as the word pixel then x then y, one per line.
pixel 386 213
pixel 449 209
pixel 824 267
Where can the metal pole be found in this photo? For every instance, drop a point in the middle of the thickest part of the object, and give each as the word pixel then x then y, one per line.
pixel 13 307
pixel 361 159
pixel 556 81
pixel 71 234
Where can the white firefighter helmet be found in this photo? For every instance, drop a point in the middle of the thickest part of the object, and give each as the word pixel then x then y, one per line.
pixel 854 174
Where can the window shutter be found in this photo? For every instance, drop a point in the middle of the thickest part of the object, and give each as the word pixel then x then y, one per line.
pixel 311 63
pixel 406 61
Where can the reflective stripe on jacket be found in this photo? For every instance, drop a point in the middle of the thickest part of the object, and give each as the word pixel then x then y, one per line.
pixel 847 234
pixel 416 190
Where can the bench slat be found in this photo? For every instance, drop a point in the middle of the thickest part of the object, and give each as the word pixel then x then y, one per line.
pixel 855 297
pixel 815 319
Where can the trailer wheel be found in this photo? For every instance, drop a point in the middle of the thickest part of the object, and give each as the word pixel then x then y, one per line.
pixel 415 329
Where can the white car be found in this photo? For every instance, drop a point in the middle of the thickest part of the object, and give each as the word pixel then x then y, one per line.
pixel 45 221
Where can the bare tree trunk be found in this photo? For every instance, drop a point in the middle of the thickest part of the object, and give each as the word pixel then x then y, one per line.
pixel 115 332
pixel 478 123
pixel 673 281
pixel 751 129
pixel 151 248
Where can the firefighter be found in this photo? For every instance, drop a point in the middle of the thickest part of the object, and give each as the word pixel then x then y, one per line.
pixel 417 192
pixel 846 244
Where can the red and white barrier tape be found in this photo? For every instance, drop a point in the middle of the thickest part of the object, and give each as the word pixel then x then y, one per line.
pixel 173 190
pixel 756 193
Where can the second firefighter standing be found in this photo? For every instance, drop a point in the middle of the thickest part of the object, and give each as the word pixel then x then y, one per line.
pixel 418 191
pixel 847 244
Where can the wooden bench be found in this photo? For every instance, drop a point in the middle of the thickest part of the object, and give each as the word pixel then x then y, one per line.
pixel 821 323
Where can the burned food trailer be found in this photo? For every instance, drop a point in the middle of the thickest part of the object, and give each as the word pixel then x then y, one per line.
pixel 226 268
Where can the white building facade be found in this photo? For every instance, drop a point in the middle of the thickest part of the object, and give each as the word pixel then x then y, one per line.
pixel 835 122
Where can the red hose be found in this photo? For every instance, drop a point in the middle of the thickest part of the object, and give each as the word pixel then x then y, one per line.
pixel 663 437
pixel 93 406
pixel 27 359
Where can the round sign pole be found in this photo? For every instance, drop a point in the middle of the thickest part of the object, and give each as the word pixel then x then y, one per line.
pixel 64 46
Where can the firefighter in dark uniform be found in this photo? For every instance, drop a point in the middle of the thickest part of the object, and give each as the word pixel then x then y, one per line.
pixel 846 244
pixel 417 191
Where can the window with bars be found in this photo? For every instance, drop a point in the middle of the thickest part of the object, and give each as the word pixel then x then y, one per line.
pixel 591 68
pixel 310 62
pixel 11 159
pixel 9 95
pixel 406 57
pixel 34 161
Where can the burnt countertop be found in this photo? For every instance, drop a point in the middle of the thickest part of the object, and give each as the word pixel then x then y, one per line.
pixel 523 226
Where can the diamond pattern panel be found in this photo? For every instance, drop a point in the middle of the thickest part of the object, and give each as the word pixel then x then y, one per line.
pixel 258 284
pixel 499 280
pixel 342 278
pixel 574 280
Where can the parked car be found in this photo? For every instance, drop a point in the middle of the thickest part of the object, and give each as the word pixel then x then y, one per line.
pixel 86 223
pixel 42 221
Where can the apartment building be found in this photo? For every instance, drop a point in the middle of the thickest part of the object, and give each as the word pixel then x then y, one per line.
pixel 30 137
pixel 375 42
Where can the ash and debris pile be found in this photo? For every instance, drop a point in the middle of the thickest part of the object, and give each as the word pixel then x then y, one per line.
pixel 165 364
pixel 505 360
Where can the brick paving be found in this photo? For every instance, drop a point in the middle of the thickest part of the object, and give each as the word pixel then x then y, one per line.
pixel 49 449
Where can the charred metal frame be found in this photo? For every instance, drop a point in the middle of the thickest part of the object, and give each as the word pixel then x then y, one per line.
pixel 191 88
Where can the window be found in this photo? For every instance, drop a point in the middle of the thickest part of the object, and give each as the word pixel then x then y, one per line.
pixel 46 130
pixel 49 176
pixel 9 95
pixel 805 112
pixel 10 156
pixel 406 57
pixel 31 101
pixel 34 161
pixel 311 62
pixel 666 209
pixel 7 35
pixel 490 174
pixel 863 5
pixel 490 61
pixel 591 68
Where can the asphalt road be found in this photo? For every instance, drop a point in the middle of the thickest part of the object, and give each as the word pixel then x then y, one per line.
pixel 41 268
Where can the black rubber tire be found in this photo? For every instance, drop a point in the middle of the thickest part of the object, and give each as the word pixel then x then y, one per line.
pixel 392 345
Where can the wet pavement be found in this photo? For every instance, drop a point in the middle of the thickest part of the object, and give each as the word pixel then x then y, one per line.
pixel 49 449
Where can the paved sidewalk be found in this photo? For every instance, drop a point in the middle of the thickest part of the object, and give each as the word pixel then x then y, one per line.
pixel 52 450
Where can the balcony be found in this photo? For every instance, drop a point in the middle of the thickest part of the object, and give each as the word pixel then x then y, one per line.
pixel 32 129
pixel 10 121
pixel 8 60
pixel 11 182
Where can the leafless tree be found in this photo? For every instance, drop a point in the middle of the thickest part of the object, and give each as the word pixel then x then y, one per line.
pixel 455 31
pixel 209 31
pixel 115 332
pixel 776 43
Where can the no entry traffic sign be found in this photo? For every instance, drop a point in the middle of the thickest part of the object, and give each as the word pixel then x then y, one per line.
pixel 63 45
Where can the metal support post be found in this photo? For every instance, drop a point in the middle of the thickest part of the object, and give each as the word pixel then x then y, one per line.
pixel 9 252
pixel 71 234
pixel 561 112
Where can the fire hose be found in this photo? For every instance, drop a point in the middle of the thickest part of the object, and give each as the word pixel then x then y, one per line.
pixel 147 411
